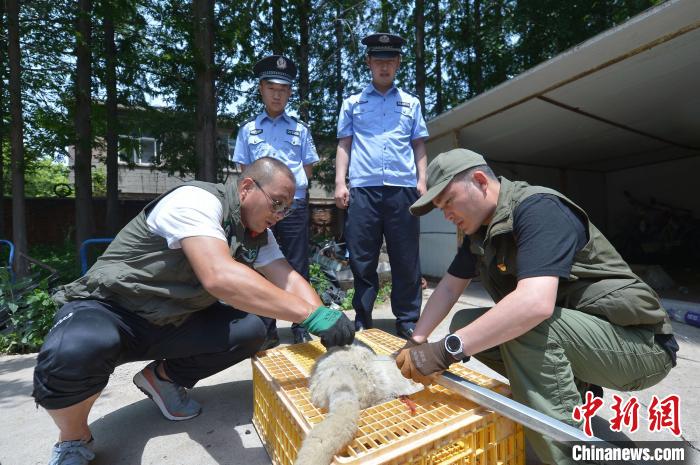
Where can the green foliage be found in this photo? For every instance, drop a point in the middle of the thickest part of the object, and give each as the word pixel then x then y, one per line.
pixel 31 312
pixel 482 43
pixel 319 280
pixel 324 170
pixel 384 293
pixel 62 258
pixel 42 175
pixel 347 301
pixel 382 296
pixel 99 181
pixel 30 318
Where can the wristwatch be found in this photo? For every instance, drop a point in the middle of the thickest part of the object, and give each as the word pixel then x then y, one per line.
pixel 453 345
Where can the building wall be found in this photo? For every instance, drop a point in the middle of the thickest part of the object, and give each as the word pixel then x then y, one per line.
pixel 438 244
pixel 140 181
pixel 143 180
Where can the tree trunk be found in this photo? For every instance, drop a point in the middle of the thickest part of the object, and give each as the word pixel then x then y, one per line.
pixel 419 17
pixel 439 104
pixel 205 137
pixel 112 134
pixel 500 72
pixel 303 54
pixel 84 219
pixel 478 68
pixel 384 23
pixel 19 214
pixel 468 37
pixel 3 129
pixel 277 28
pixel 338 58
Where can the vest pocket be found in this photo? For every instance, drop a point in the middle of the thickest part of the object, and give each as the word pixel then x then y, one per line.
pixel 599 289
pixel 623 301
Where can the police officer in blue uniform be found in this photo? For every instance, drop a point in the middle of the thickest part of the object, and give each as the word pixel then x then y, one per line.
pixel 381 139
pixel 274 133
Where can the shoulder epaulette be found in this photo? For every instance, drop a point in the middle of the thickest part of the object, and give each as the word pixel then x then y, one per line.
pixel 409 93
pixel 353 94
pixel 303 123
pixel 248 120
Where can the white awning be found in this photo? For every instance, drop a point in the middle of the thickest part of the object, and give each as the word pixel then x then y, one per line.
pixel 625 98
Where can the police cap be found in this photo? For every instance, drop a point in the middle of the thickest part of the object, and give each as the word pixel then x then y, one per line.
pixel 276 68
pixel 383 45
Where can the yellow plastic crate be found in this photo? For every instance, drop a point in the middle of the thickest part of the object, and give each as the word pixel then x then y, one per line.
pixel 445 429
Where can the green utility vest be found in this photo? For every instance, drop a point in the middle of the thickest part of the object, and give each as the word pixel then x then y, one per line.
pixel 138 271
pixel 600 282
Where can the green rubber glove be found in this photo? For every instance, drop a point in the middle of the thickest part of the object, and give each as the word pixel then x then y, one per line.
pixel 332 326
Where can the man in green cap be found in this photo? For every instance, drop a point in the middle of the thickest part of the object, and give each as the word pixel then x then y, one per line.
pixel 570 315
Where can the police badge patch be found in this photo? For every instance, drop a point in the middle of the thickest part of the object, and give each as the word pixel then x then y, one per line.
pixel 292 132
pixel 281 63
pixel 255 132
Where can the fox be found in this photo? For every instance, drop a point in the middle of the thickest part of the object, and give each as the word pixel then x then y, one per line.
pixel 345 380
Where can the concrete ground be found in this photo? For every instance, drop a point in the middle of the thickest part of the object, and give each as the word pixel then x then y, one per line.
pixel 129 430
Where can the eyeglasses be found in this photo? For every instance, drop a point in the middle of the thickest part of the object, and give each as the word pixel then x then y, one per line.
pixel 276 207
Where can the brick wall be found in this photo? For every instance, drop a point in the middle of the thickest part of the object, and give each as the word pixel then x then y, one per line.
pixel 51 220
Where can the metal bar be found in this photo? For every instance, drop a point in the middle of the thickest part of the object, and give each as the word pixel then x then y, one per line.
pixel 516 411
pixel 522 414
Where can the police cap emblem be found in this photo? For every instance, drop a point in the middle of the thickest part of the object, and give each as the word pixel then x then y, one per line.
pixel 383 44
pixel 276 68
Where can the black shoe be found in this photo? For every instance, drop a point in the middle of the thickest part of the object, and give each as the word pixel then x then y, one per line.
pixel 359 326
pixel 272 340
pixel 301 335
pixel 405 331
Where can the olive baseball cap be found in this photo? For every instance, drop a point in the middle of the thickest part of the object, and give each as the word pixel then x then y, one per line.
pixel 440 172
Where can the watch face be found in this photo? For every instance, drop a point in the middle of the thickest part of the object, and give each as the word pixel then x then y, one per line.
pixel 453 343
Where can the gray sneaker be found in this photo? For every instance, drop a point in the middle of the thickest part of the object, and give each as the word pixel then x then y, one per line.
pixel 172 399
pixel 72 453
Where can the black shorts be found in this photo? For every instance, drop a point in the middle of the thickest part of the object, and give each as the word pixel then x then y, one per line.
pixel 90 338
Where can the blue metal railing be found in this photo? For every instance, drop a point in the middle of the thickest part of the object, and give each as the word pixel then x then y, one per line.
pixel 84 248
pixel 10 258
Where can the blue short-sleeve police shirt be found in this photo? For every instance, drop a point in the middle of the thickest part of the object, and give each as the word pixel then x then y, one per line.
pixel 284 138
pixel 382 129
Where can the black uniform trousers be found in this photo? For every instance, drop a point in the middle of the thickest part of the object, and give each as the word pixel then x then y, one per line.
pixel 90 338
pixel 375 213
pixel 292 234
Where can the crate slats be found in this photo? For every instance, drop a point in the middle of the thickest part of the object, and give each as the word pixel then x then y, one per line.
pixel 446 429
